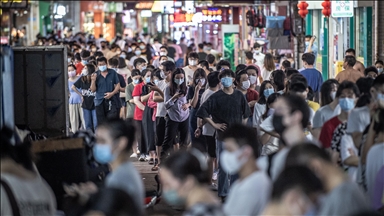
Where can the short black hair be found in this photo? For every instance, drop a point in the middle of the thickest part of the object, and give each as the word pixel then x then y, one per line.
pixel 193 55
pixel 98 54
pixel 348 85
pixel 297 103
pixel 204 64
pixel 244 135
pixel 308 36
pixel 379 62
pixel 238 76
pixel 240 67
pixel 364 84
pixel 256 45
pixel 223 63
pixel 350 50
pixel 286 64
pixel 227 72
pixel 298 83
pixel 210 58
pixel 119 128
pixel 164 47
pixel 309 58
pixel 101 59
pixel 296 177
pixel 200 45
pixel 249 55
pixel 135 72
pixel 138 61
pixel 77 56
pixel 302 154
pixel 351 60
pixel 213 79
pixel 279 79
pixel 113 62
pixel 370 69
pixel 291 71
pixel 168 66
pixel 310 94
pixel 85 54
pixel 378 82
pixel 251 67
pixel 72 65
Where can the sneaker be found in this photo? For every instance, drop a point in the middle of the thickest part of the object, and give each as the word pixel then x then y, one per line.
pixel 147 158
pixel 214 176
pixel 134 155
pixel 151 161
pixel 213 186
pixel 142 158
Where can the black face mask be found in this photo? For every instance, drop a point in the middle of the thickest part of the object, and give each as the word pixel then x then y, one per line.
pixel 103 47
pixel 277 122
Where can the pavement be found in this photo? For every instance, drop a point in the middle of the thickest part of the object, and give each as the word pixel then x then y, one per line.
pixel 162 208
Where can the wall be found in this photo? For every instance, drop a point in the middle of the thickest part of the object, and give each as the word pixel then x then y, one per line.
pixel 380 32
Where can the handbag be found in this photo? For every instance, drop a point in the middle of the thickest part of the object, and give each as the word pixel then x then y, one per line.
pixel 11 198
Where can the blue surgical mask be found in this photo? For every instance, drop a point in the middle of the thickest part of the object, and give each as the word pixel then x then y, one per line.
pixel 147 79
pixel 156 82
pixel 103 68
pixel 173 198
pixel 306 43
pixel 346 104
pixel 84 62
pixel 103 153
pixel 123 56
pixel 138 52
pixel 143 68
pixel 178 81
pixel 268 92
pixel 227 81
pixel 380 70
pixel 136 81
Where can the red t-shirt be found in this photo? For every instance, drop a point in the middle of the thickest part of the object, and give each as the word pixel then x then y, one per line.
pixel 251 96
pixel 327 131
pixel 79 68
pixel 137 91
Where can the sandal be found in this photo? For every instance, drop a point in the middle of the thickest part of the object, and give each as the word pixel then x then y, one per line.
pixel 156 167
pixel 151 161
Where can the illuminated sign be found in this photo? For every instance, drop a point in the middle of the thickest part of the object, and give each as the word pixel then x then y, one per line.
pixel 14 4
pixel 212 15
pixel 182 17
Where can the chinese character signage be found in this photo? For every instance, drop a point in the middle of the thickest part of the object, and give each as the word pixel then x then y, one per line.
pixel 342 8
pixel 212 15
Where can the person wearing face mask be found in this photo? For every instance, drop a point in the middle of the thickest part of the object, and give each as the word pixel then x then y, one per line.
pixel 254 77
pixel 114 140
pixel 75 101
pixel 190 69
pixel 205 66
pixel 84 56
pixel 195 92
pixel 349 73
pixel 295 192
pixel 137 55
pixel 270 143
pixel 87 97
pixel 290 118
pixel 250 61
pixel 329 106
pixel 219 114
pixel 333 130
pixel 339 189
pixel 311 47
pixel 175 101
pixel 313 76
pixel 379 64
pixel 166 75
pixel 105 82
pixel 258 55
pixel 371 72
pixel 243 84
pixel 93 49
pixel 184 179
pixel 115 50
pixel 266 89
pixel 137 95
pixel 241 149
pixel 163 52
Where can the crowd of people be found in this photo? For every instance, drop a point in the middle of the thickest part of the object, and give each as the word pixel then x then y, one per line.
pixel 267 138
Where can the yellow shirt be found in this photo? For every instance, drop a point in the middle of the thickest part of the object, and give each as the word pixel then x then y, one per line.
pixel 313 105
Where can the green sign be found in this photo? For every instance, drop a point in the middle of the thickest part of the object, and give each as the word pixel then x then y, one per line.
pixel 231 50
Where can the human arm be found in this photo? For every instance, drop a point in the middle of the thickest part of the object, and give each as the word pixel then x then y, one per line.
pixel 217 126
pixel 128 95
pixel 75 89
pixel 138 103
pixel 195 97
pixel 347 152
pixel 170 100
pixel 158 97
pixel 368 143
pixel 93 82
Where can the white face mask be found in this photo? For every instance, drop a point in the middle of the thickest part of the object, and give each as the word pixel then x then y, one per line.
pixel 253 79
pixel 246 84
pixel 84 72
pixel 202 81
pixel 333 95
pixel 163 53
pixel 192 62
pixel 230 162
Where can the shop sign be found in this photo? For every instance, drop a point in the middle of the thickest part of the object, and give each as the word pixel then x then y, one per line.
pixel 342 8
pixel 182 17
pixel 212 15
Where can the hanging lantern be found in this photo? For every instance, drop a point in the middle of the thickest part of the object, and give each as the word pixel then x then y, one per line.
pixel 326 8
pixel 302 5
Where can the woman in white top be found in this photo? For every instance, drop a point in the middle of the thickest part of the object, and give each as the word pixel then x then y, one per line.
pixel 266 89
pixel 329 106
pixel 269 66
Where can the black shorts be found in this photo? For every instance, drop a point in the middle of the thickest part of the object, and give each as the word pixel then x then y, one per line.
pixel 211 146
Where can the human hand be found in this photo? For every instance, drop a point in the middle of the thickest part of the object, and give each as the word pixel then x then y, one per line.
pixel 93 77
pixel 198 132
pixel 185 106
pixel 252 103
pixel 108 95
pixel 221 127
